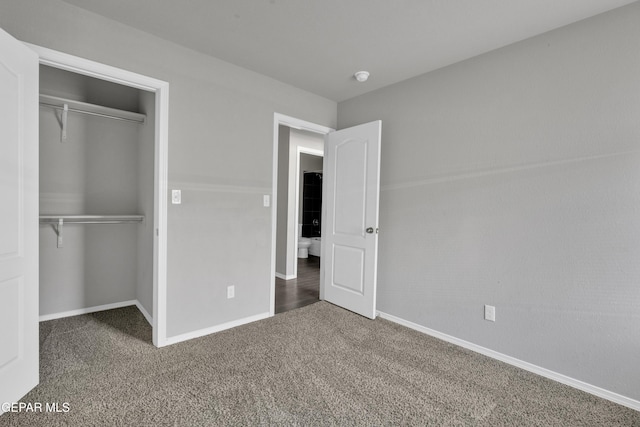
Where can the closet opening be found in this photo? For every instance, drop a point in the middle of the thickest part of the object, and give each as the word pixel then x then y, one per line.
pixel 98 190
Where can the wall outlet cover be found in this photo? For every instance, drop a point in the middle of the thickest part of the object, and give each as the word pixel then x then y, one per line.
pixel 490 313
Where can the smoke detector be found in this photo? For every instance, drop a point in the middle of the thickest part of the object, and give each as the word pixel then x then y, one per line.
pixel 361 76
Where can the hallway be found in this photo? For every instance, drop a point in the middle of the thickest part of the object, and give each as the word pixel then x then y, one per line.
pixel 304 290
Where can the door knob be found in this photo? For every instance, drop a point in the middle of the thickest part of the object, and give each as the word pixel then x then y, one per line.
pixel 370 230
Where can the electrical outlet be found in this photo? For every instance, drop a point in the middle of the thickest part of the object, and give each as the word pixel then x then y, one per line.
pixel 231 292
pixel 489 313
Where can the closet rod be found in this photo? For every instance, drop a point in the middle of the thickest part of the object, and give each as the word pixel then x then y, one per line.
pixel 58 221
pixel 91 109
pixel 90 219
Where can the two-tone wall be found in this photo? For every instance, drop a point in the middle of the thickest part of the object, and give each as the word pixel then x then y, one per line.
pixel 510 179
pixel 513 179
pixel 220 156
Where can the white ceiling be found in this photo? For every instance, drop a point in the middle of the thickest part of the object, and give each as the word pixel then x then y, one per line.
pixel 317 45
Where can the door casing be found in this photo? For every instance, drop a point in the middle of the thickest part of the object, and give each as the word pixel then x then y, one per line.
pixel 160 88
pixel 300 150
pixel 292 122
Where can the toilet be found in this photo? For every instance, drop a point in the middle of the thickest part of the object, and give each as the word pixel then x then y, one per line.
pixel 303 244
pixel 303 247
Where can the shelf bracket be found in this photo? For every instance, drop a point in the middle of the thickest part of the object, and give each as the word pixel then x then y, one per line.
pixel 58 231
pixel 65 113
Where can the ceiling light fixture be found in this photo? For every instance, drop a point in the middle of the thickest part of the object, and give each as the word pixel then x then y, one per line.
pixel 361 76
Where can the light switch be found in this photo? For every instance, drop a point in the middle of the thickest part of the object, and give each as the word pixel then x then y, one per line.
pixel 266 200
pixel 176 197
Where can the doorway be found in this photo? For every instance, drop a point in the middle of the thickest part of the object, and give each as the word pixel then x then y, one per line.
pixel 96 146
pixel 302 172
pixel 351 194
pixel 155 94
pixel 298 147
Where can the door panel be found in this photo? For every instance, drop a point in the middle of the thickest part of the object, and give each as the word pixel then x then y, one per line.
pixel 348 268
pixel 18 219
pixel 350 187
pixel 10 245
pixel 350 241
pixel 10 314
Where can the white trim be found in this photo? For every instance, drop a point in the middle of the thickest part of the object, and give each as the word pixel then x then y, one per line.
pixel 572 382
pixel 218 328
pixel 314 152
pixel 161 179
pixel 87 67
pixel 145 313
pixel 90 68
pixel 292 122
pixel 219 188
pixel 96 308
pixel 87 310
pixel 286 277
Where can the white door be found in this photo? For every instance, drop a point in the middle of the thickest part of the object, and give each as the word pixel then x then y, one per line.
pixel 350 224
pixel 18 219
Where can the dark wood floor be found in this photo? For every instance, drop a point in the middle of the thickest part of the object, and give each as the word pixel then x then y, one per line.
pixel 304 290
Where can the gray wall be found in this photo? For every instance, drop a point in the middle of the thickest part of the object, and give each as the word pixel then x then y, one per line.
pixel 509 179
pixel 94 171
pixel 512 179
pixel 221 234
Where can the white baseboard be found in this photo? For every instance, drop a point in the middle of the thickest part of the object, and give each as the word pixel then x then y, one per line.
pixel 96 308
pixel 285 277
pixel 87 310
pixel 580 385
pixel 206 331
pixel 145 313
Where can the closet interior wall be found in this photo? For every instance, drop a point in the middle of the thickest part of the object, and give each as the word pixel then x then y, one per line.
pixel 103 167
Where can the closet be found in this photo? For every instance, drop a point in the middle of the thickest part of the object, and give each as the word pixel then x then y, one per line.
pixel 97 161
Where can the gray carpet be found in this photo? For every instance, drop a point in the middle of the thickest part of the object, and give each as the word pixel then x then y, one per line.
pixel 318 365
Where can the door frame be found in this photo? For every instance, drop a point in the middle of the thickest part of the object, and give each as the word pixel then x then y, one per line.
pixel 294 123
pixel 160 88
pixel 312 152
